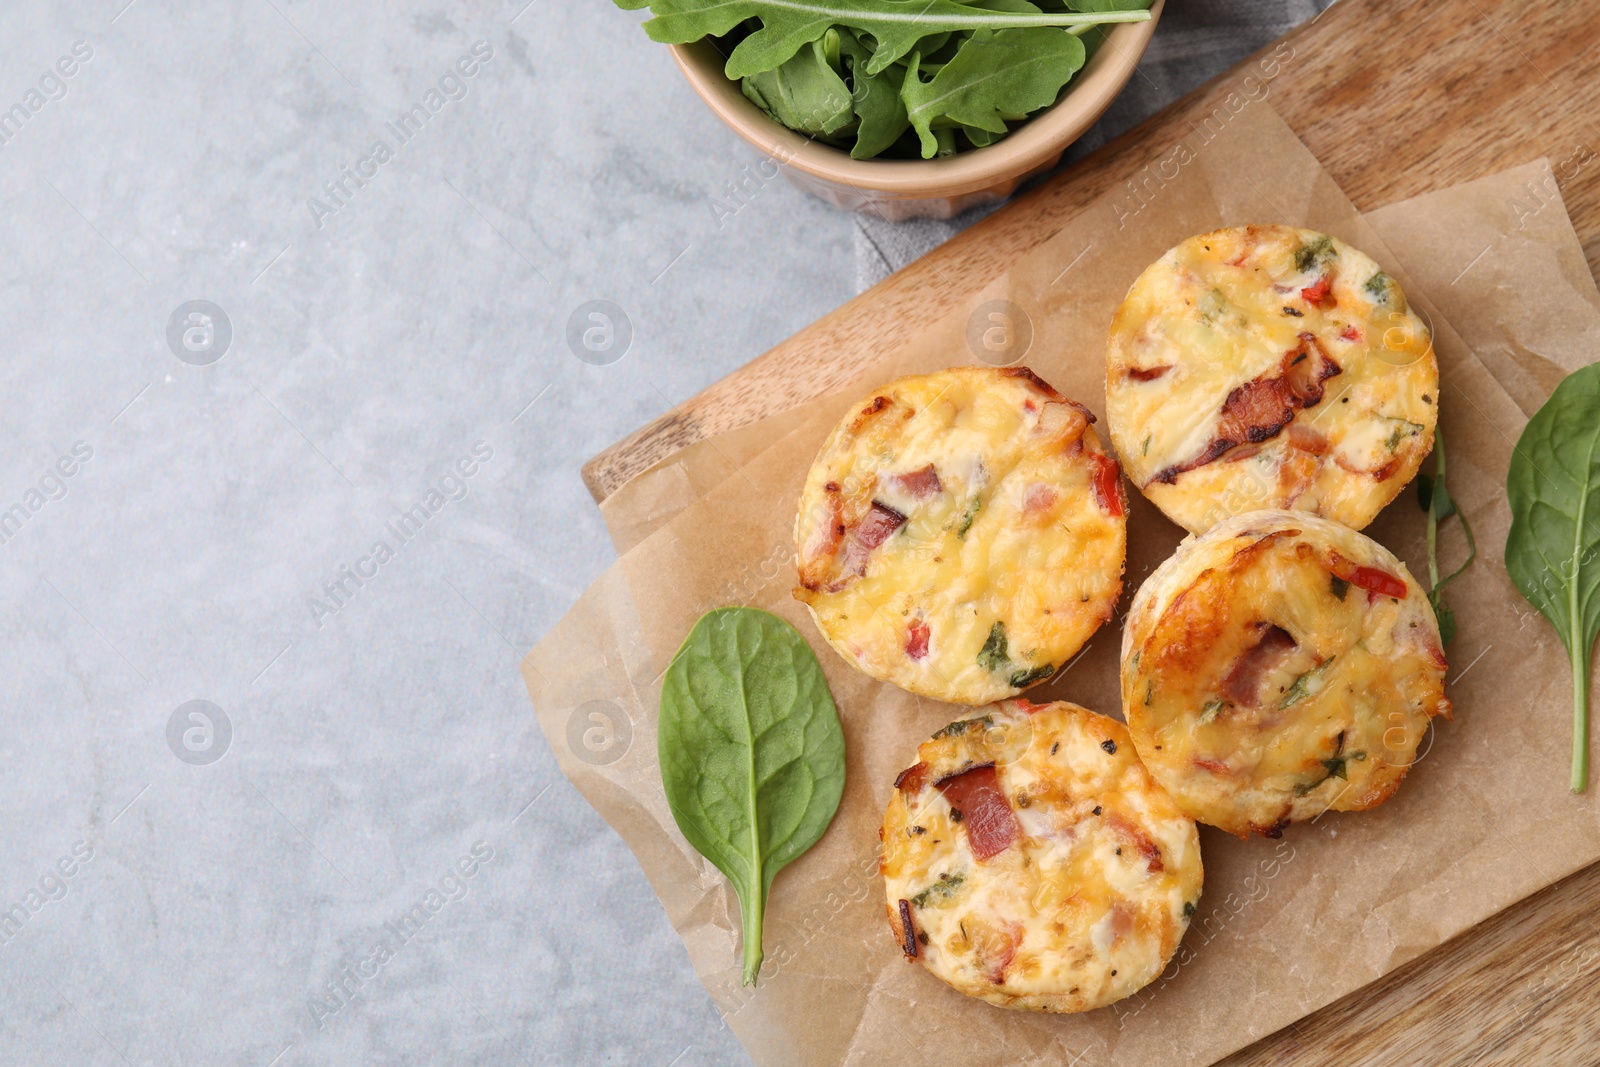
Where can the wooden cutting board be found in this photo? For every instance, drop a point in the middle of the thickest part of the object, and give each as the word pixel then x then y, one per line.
pixel 1395 99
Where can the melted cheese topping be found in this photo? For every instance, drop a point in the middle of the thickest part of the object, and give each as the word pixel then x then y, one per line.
pixel 1011 548
pixel 1089 903
pixel 1224 309
pixel 1262 688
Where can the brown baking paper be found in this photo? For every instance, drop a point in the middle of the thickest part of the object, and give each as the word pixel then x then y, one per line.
pixel 1284 926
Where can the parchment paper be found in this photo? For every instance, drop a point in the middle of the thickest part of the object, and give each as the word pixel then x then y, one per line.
pixel 1284 927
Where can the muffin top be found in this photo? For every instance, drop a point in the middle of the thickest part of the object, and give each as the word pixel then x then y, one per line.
pixel 1029 860
pixel 962 534
pixel 1279 666
pixel 1269 367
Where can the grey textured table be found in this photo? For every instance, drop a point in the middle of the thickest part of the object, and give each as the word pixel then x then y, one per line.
pixel 289 483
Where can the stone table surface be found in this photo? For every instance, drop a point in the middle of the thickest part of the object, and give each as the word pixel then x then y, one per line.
pixel 289 483
pixel 227 492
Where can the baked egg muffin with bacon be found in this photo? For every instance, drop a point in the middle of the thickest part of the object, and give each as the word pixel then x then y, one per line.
pixel 1269 367
pixel 1031 861
pixel 1277 667
pixel 962 533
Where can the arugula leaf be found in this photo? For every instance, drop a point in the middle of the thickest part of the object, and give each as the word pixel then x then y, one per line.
pixel 876 97
pixel 995 76
pixel 1553 487
pixel 896 25
pixel 1435 499
pixel 752 756
pixel 805 93
pixel 980 138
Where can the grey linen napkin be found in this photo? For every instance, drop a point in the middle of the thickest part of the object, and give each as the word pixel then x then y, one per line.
pixel 1196 40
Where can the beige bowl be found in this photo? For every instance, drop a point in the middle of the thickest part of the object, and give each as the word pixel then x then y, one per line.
pixel 928 188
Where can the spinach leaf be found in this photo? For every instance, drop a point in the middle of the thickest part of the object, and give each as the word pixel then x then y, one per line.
pixel 896 25
pixel 804 93
pixel 995 76
pixel 1435 499
pixel 1554 490
pixel 752 756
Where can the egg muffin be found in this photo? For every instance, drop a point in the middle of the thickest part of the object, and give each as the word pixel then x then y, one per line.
pixel 1269 367
pixel 961 534
pixel 1279 666
pixel 1031 861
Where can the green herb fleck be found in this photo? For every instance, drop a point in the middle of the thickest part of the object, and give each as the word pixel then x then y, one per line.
pixel 1209 712
pixel 959 727
pixel 1338 586
pixel 1213 306
pixel 1310 255
pixel 1301 689
pixel 1406 428
pixel 992 656
pixel 1189 909
pixel 1333 767
pixel 1146 450
pixel 1029 676
pixel 1377 286
pixel 971 516
pixel 939 891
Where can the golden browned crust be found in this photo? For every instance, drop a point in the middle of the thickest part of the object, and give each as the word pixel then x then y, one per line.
pixel 1277 667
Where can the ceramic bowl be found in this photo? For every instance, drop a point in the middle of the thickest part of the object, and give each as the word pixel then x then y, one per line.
pixel 926 188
